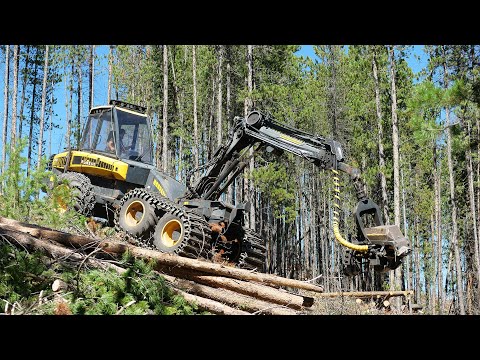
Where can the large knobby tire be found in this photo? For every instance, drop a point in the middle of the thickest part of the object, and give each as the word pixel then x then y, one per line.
pixel 136 215
pixel 169 234
pixel 81 189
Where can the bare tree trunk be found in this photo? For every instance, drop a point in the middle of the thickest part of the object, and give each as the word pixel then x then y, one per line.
pixel 110 65
pixel 418 287
pixel 219 98
pixel 178 95
pixel 381 154
pixel 24 86
pixel 165 110
pixel 70 109
pixel 42 111
pixel 438 222
pixel 405 232
pixel 471 195
pixel 16 57
pixel 91 72
pixel 69 122
pixel 449 273
pixel 456 249
pixel 51 121
pixel 79 101
pixel 5 105
pixel 32 113
pixel 248 105
pixel 195 119
pixel 477 122
pixel 430 279
pixel 230 194
pixel 396 275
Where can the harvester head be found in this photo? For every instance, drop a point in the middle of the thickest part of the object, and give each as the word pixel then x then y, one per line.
pixel 387 246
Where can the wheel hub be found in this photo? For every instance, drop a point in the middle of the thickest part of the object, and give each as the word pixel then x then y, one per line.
pixel 172 233
pixel 134 213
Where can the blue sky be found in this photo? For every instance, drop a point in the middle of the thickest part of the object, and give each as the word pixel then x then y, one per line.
pixel 415 64
pixel 100 89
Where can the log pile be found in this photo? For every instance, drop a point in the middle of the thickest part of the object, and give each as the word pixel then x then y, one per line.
pixel 214 287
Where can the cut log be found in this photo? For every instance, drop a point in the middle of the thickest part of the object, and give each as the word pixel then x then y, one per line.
pixel 59 285
pixel 161 259
pixel 367 294
pixel 56 251
pixel 209 305
pixel 230 297
pixel 249 288
pixel 173 261
pixel 47 233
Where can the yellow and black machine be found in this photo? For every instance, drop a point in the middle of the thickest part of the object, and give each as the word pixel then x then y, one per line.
pixel 112 175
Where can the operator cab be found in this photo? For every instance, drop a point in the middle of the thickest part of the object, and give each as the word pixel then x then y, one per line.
pixel 119 130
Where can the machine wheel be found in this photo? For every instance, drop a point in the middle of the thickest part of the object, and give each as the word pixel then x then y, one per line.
pixel 136 213
pixel 82 191
pixel 180 231
pixel 169 233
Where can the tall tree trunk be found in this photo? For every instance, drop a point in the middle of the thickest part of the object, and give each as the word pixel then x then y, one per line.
pixel 430 279
pixel 381 154
pixel 110 65
pixel 68 135
pixel 248 107
pixel 456 249
pixel 230 194
pixel 5 105
pixel 178 94
pixel 16 58
pixel 195 118
pixel 42 111
pixel 473 61
pixel 211 117
pixel 471 195
pixel 405 231
pixel 397 273
pixel 24 86
pixel 165 110
pixel 219 98
pixel 32 113
pixel 79 101
pixel 70 109
pixel 418 287
pixel 51 121
pixel 91 74
pixel 438 222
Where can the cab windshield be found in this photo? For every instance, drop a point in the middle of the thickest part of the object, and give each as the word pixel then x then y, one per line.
pixel 130 140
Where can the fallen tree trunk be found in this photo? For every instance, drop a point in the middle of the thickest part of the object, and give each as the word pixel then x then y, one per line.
pixel 47 233
pixel 30 242
pixel 161 259
pixel 174 261
pixel 57 251
pixel 366 294
pixel 258 291
pixel 230 297
pixel 209 305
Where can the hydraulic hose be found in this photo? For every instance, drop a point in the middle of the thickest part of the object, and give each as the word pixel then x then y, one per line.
pixel 336 219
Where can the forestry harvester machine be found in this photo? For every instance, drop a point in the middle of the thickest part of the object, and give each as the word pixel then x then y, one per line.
pixel 121 184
